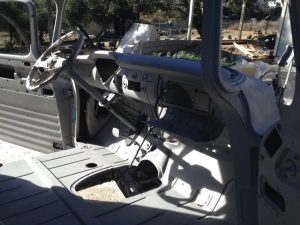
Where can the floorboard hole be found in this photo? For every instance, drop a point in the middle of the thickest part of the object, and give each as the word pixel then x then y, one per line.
pixel 91 165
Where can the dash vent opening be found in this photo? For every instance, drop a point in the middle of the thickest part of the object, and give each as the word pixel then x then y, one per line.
pixel 275 197
pixel 273 143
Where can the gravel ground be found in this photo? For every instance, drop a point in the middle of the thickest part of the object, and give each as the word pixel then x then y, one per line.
pixel 107 192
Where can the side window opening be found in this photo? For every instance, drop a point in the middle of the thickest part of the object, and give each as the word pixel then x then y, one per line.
pixel 14 28
pixel 45 10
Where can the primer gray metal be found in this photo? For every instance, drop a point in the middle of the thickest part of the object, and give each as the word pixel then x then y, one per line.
pixel 279 153
pixel 33 119
pixel 284 34
pixel 47 185
pixel 29 120
pixel 202 183
pixel 60 9
pixel 245 144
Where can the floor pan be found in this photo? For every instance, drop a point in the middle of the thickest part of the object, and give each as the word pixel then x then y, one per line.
pixel 41 191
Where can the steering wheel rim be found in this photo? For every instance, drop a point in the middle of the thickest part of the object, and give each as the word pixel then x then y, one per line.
pixel 40 75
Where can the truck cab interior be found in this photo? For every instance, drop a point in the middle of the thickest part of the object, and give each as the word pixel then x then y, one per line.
pixel 182 142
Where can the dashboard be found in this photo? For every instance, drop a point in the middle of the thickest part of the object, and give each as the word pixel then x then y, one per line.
pixel 178 83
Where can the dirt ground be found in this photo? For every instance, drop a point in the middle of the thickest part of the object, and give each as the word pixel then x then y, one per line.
pixel 226 35
pixel 107 192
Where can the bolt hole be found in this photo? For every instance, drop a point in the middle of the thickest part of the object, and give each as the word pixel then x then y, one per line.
pixel 1 164
pixel 91 165
pixel 26 63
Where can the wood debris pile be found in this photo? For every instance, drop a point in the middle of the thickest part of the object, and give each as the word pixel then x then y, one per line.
pixel 253 52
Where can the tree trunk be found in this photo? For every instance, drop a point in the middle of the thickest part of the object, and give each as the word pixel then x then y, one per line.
pixel 198 25
pixel 50 20
pixel 191 19
pixel 242 19
pixel 198 17
pixel 41 36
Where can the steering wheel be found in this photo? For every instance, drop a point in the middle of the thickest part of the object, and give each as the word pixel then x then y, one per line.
pixel 53 62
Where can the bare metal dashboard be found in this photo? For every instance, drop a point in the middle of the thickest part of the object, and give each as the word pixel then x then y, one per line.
pixel 152 80
pixel 164 81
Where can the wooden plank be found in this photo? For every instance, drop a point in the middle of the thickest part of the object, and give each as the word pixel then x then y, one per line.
pixel 244 50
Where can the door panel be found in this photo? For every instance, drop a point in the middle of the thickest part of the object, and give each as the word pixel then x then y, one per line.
pixel 38 120
pixel 29 119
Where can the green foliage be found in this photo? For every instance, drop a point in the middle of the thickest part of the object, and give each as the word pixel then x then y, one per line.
pixel 227 59
pixel 17 11
pixel 42 14
pixel 232 8
pixel 7 45
pixel 144 6
pixel 14 20
pixel 188 55
pixel 83 12
pixel 180 9
pixel 77 12
pixel 103 11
